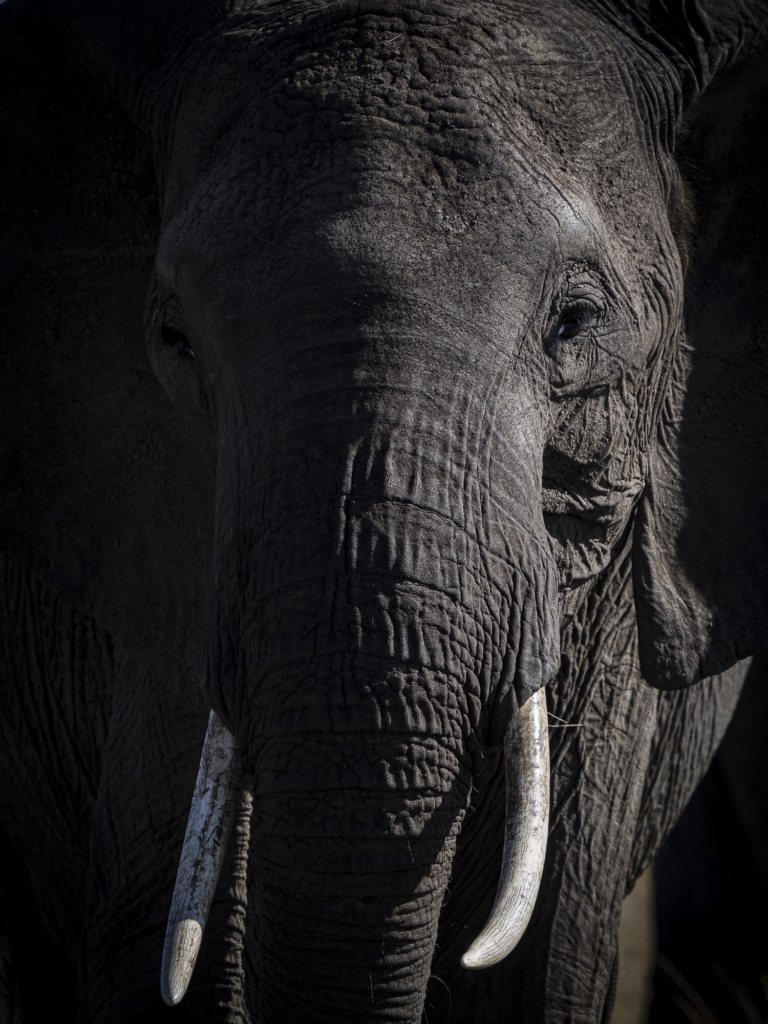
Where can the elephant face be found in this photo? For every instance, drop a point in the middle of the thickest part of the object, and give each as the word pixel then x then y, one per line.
pixel 419 317
pixel 441 285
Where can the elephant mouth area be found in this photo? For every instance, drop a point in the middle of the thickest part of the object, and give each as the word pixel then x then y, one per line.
pixel 330 926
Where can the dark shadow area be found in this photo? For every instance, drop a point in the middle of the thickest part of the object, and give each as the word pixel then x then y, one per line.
pixel 711 892
pixel 37 983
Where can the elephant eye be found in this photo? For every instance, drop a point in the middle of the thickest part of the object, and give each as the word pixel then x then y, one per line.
pixel 172 331
pixel 173 336
pixel 575 318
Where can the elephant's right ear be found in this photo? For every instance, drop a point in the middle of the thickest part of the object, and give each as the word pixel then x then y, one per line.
pixel 701 533
pixel 102 493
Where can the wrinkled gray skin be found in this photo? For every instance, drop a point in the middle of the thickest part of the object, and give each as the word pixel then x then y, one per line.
pixel 416 300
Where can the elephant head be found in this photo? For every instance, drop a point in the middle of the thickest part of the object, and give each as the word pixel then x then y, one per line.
pixel 418 302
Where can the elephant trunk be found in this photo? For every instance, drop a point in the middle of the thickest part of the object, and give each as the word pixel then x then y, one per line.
pixel 359 740
pixel 361 699
pixel 380 607
pixel 355 840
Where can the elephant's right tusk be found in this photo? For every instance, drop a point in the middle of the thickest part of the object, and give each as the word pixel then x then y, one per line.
pixel 526 755
pixel 205 843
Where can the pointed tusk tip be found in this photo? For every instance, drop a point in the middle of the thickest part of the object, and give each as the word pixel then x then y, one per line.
pixel 171 998
pixel 475 959
pixel 181 948
pixel 469 961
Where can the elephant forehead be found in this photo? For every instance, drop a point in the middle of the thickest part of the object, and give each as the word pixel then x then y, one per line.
pixel 465 83
pixel 448 66
pixel 473 134
pixel 383 213
pixel 413 152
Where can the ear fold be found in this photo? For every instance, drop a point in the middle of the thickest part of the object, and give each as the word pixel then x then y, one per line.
pixel 103 495
pixel 701 533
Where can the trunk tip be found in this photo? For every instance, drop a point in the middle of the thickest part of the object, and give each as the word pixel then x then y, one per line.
pixel 182 944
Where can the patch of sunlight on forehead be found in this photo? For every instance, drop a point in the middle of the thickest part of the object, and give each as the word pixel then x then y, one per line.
pixel 576 217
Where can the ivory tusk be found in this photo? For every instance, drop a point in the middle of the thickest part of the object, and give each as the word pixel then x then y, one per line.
pixel 205 843
pixel 526 758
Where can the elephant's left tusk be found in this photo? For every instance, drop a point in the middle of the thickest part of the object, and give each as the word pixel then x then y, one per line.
pixel 526 755
pixel 205 843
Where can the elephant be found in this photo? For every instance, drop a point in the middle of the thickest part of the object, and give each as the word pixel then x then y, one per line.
pixel 384 387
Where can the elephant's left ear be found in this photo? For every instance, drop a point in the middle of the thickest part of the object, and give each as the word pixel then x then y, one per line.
pixel 701 533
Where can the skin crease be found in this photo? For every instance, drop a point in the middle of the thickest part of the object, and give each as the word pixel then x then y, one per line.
pixel 414 301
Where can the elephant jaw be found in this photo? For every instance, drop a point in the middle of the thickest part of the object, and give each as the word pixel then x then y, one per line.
pixel 526 748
